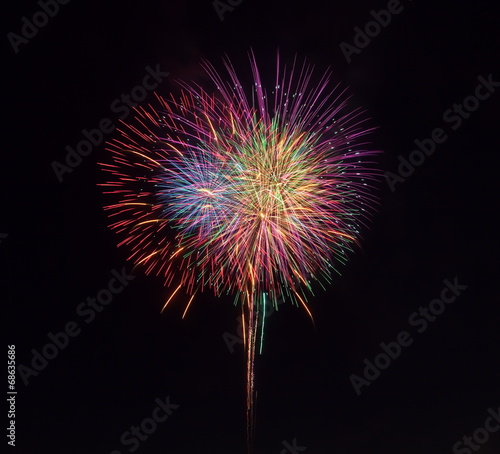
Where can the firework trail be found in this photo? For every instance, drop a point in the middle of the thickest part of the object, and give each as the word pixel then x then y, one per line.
pixel 256 193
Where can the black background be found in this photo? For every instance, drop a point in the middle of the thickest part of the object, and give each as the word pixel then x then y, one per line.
pixel 440 223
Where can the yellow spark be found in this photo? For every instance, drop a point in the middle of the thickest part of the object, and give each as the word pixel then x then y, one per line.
pixel 152 220
pixel 305 306
pixel 145 157
pixel 211 127
pixel 145 258
pixel 243 326
pixel 187 307
pixel 208 191
pixel 342 234
pixel 176 252
pixel 171 296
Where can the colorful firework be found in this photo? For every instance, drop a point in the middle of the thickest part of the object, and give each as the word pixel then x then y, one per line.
pixel 255 193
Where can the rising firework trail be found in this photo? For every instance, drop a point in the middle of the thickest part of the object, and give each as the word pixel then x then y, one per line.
pixel 255 192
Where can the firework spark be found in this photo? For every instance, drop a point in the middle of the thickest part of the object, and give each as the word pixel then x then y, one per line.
pixel 256 193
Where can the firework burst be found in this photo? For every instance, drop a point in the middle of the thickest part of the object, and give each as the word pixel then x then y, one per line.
pixel 258 193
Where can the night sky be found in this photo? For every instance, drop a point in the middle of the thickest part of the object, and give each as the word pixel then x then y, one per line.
pixel 431 73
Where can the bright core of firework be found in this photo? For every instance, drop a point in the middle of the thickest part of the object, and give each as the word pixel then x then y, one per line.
pixel 254 193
